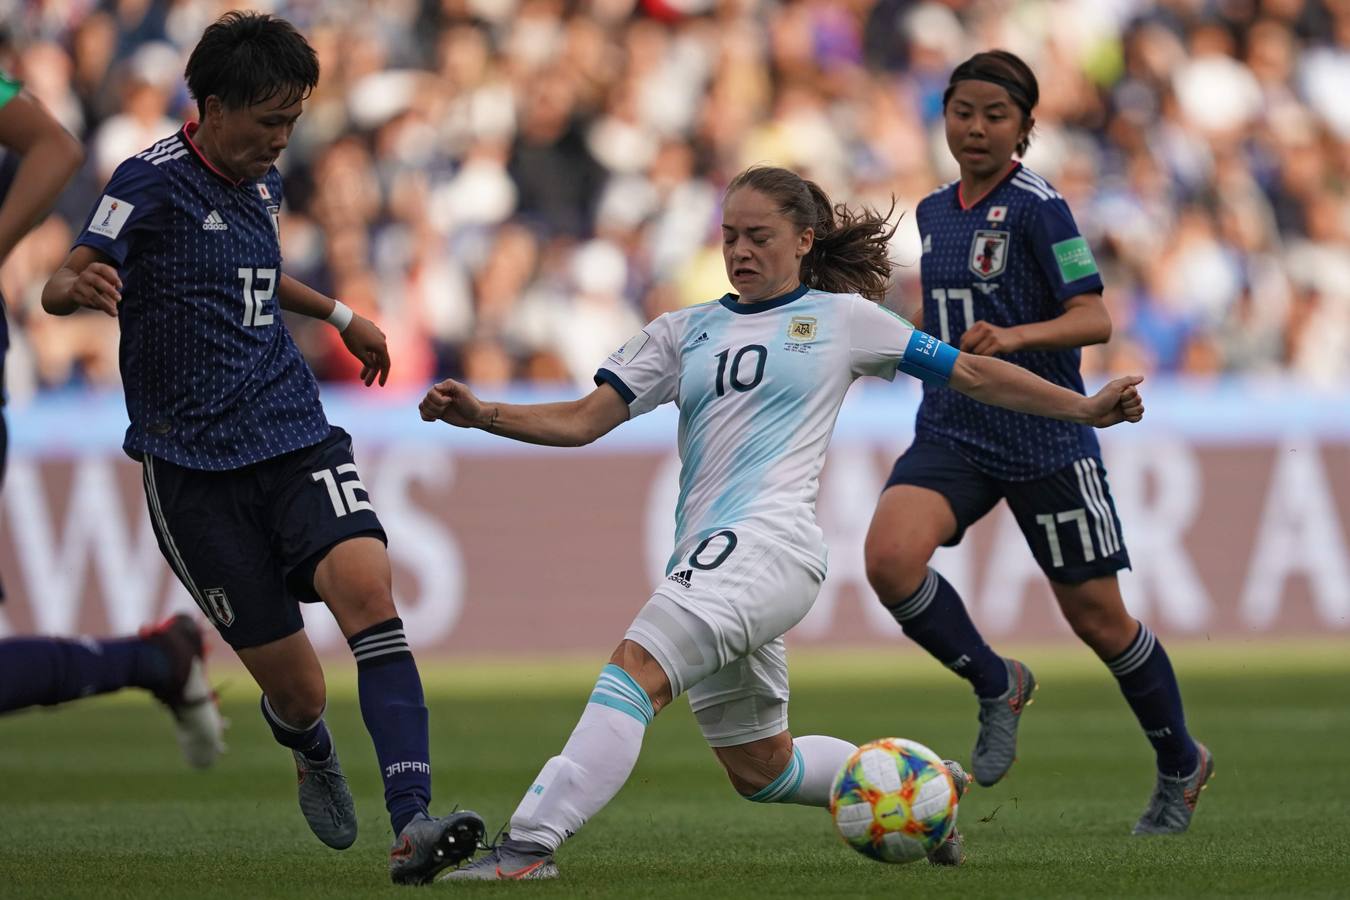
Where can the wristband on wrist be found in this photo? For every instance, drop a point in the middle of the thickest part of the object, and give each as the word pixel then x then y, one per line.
pixel 341 316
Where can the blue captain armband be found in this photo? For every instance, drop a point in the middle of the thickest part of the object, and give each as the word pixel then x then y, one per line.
pixel 928 358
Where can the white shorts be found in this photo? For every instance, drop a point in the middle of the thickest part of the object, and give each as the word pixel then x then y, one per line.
pixel 716 626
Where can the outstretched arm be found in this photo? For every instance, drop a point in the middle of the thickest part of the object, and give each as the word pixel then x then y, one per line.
pixel 1000 383
pixel 50 158
pixel 569 424
pixel 363 338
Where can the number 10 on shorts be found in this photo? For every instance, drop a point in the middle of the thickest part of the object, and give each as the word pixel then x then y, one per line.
pixel 343 491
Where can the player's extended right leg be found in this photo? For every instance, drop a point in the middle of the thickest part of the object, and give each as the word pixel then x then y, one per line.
pixel 996 745
pixel 574 785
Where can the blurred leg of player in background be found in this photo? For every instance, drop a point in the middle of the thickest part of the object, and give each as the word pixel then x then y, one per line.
pixel 166 660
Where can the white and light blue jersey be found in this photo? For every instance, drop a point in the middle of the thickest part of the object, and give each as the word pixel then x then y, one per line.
pixel 759 387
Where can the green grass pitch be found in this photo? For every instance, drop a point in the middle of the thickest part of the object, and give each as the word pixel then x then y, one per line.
pixel 95 802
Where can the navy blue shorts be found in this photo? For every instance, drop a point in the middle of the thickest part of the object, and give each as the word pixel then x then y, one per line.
pixel 245 542
pixel 1068 518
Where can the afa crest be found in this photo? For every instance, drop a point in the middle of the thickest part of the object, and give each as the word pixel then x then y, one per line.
pixel 989 253
pixel 802 329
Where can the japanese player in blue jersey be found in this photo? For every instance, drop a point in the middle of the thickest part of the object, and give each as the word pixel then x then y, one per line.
pixel 1006 273
pixel 37 158
pixel 758 377
pixel 255 498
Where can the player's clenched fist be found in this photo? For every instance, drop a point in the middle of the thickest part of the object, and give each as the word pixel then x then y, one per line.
pixel 1119 401
pixel 449 401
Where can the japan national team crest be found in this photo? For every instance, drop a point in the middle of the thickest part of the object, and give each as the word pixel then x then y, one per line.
pixel 275 213
pixel 989 253
pixel 219 605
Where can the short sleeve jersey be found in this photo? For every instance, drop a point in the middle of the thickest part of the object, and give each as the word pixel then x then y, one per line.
pixel 758 387
pixel 212 377
pixel 9 165
pixel 1013 257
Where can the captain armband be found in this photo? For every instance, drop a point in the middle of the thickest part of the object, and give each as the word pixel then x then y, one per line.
pixel 927 358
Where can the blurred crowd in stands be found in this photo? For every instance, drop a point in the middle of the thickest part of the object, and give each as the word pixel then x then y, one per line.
pixel 512 187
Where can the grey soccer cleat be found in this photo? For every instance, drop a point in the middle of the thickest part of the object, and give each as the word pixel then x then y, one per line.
pixel 326 801
pixel 952 851
pixel 188 695
pixel 509 861
pixel 1173 801
pixel 996 746
pixel 425 846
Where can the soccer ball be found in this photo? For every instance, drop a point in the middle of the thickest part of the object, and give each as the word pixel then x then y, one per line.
pixel 894 800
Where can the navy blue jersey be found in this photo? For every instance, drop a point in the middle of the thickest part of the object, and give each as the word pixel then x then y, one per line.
pixel 1013 257
pixel 212 377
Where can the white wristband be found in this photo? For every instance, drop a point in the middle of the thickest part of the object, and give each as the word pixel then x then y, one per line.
pixel 341 316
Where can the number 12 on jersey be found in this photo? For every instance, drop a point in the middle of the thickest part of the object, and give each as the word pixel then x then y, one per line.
pixel 967 300
pixel 255 299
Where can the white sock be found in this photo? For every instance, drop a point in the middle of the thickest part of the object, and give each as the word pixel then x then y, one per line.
pixel 816 759
pixel 593 765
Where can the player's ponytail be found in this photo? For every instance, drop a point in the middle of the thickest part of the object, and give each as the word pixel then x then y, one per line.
pixel 850 253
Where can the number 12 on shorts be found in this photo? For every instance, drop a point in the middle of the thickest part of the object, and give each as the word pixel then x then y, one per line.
pixel 343 492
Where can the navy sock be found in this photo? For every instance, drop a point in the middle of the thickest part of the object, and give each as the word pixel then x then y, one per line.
pixel 1150 687
pixel 395 714
pixel 48 671
pixel 935 618
pixel 313 741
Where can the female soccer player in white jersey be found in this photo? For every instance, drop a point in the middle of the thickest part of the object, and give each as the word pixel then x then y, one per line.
pixel 1006 272
pixel 759 377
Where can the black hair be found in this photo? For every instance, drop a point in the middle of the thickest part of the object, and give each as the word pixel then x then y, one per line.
pixel 245 58
pixel 1008 71
pixel 850 250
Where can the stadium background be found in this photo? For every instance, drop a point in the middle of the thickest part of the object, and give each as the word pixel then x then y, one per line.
pixel 512 188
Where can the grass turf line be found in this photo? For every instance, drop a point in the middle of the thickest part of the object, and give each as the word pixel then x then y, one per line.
pixel 94 800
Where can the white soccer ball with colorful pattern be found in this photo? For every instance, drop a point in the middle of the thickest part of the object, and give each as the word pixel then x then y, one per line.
pixel 894 800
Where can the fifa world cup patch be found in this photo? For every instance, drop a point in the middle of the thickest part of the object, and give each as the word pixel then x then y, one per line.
pixel 1074 258
pixel 989 253
pixel 802 328
pixel 625 354
pixel 110 216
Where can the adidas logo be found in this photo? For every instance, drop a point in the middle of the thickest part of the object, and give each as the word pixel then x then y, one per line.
pixel 699 340
pixel 682 578
pixel 213 222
